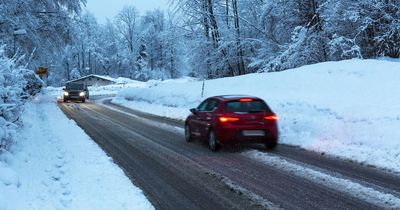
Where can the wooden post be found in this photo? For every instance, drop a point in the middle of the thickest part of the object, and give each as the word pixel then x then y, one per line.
pixel 202 88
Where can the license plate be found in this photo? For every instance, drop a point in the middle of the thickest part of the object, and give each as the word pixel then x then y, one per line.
pixel 253 133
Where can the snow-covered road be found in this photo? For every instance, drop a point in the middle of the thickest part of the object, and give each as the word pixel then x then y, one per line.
pixel 56 165
pixel 174 173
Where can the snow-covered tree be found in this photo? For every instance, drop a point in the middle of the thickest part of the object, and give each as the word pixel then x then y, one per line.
pixel 17 85
pixel 127 23
pixel 217 38
pixel 373 25
pixel 75 74
pixel 142 72
pixel 40 30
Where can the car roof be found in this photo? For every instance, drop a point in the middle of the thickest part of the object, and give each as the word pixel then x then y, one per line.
pixel 234 97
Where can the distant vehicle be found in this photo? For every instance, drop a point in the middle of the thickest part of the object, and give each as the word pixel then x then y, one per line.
pixel 233 119
pixel 76 92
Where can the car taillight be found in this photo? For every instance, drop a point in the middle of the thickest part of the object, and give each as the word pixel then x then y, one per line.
pixel 271 117
pixel 228 119
pixel 246 100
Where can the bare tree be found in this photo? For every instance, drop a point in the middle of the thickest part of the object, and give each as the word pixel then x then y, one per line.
pixel 127 21
pixel 241 67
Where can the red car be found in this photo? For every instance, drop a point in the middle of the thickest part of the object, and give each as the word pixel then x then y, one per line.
pixel 233 119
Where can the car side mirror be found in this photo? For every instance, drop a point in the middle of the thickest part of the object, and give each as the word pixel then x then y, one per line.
pixel 194 111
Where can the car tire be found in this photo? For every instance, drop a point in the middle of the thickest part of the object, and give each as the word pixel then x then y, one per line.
pixel 65 100
pixel 188 134
pixel 271 145
pixel 83 100
pixel 212 141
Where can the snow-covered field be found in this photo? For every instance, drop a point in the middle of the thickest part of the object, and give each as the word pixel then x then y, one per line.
pixel 55 165
pixel 349 109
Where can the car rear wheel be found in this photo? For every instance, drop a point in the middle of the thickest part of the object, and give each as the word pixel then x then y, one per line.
pixel 188 134
pixel 212 141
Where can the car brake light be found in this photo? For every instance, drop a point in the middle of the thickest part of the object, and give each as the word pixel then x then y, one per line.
pixel 228 119
pixel 271 117
pixel 245 100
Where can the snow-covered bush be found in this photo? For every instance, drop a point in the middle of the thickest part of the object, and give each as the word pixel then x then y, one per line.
pixel 17 85
pixel 306 47
pixel 341 48
pixel 74 74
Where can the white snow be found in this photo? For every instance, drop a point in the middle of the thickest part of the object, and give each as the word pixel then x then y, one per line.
pixel 55 165
pixel 120 83
pixel 348 109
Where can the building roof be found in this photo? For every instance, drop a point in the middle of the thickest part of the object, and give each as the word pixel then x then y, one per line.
pixel 94 75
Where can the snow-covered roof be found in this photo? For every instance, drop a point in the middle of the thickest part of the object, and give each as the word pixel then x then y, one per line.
pixel 94 75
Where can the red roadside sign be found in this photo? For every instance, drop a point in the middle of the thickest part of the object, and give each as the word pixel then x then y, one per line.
pixel 42 71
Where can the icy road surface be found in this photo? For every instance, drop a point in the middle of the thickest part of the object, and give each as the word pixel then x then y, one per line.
pixel 175 174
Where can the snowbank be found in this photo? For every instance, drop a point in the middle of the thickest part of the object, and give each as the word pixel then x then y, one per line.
pixel 56 165
pixel 121 83
pixel 349 109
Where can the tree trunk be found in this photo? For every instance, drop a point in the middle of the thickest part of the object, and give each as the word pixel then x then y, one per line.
pixel 79 61
pixel 227 14
pixel 241 67
pixel 89 62
pixel 206 28
pixel 162 57
pixel 67 68
pixel 213 23
pixel 83 59
pixel 206 25
pixel 317 22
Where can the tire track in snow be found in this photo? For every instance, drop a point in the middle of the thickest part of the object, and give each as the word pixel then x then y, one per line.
pixel 368 194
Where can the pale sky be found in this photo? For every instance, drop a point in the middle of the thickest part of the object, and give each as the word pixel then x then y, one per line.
pixel 103 9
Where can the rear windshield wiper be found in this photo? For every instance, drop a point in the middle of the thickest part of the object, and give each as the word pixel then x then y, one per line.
pixel 256 111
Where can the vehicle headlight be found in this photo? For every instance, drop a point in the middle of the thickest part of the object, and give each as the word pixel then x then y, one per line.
pixel 66 93
pixel 81 94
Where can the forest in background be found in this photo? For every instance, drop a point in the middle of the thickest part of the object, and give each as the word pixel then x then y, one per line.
pixel 199 38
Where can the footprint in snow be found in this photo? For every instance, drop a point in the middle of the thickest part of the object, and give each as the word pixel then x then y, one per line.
pixel 66 202
pixel 64 184
pixel 58 165
pixel 66 193
pixel 56 178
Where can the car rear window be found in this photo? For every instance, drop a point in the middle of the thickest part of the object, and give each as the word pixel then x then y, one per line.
pixel 247 107
pixel 74 86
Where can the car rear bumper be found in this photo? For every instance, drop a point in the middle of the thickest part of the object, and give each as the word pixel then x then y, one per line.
pixel 233 135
